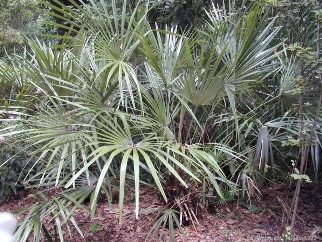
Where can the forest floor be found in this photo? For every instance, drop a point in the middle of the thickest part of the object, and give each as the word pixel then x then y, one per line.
pixel 228 221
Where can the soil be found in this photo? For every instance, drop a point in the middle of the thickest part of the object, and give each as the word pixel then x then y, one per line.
pixel 230 221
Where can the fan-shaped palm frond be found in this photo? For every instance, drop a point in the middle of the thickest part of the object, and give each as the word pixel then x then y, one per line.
pixel 56 210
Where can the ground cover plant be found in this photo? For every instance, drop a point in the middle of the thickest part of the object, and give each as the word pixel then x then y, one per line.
pixel 116 102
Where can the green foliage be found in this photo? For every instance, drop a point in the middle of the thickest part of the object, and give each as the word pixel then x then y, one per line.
pixel 118 102
pixel 166 218
pixel 58 209
pixel 182 13
pixel 17 18
pixel 8 178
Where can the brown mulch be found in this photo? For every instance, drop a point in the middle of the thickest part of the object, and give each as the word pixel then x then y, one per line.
pixel 226 222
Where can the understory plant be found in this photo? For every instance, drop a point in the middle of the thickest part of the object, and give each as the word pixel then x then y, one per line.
pixel 118 102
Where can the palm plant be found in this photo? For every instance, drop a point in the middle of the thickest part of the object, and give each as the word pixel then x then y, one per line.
pixel 55 209
pixel 120 97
